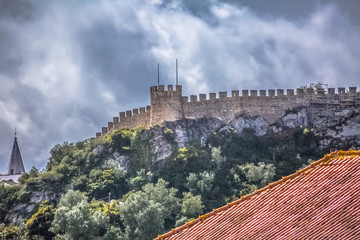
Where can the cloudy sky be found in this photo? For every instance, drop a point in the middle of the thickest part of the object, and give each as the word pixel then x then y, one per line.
pixel 68 67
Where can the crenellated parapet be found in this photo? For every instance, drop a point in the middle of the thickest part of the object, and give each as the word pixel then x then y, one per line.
pixel 128 119
pixel 299 92
pixel 169 104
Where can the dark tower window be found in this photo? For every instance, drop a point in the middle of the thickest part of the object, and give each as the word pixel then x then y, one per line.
pixel 12 171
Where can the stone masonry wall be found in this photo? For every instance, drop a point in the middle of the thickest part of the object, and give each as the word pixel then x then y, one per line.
pixel 165 105
pixel 128 119
pixel 170 105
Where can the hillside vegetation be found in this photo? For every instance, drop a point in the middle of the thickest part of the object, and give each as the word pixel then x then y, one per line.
pixel 116 187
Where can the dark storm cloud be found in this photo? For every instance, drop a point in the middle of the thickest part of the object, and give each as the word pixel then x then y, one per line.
pixel 16 9
pixel 118 57
pixel 68 67
pixel 10 12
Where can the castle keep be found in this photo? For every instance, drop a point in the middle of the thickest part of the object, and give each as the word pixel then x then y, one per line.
pixel 171 105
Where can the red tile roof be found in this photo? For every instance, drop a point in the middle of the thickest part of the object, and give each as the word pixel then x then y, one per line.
pixel 321 201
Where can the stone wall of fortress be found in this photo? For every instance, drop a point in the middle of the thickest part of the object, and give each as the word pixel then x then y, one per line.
pixel 170 105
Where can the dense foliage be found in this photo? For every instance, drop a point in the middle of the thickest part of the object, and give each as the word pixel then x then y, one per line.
pixel 10 196
pixel 74 219
pixel 40 223
pixel 102 199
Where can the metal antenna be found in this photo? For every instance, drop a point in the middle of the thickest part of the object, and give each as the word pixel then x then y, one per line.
pixel 158 75
pixel 15 132
pixel 177 79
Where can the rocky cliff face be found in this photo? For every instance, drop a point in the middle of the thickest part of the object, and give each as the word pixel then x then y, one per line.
pixel 337 127
pixel 17 213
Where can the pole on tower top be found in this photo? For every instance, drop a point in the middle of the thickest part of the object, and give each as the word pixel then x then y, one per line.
pixel 158 74
pixel 15 132
pixel 177 79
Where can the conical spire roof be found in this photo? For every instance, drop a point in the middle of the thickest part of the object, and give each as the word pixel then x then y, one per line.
pixel 16 165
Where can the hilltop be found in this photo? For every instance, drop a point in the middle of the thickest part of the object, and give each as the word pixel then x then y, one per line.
pixel 191 165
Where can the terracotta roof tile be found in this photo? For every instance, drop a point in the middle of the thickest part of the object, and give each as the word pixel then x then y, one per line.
pixel 321 201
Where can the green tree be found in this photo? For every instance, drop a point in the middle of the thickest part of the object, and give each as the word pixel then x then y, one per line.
pixel 74 220
pixel 29 177
pixel 142 151
pixel 260 174
pixel 114 233
pixel 200 183
pixel 191 205
pixel 103 182
pixel 120 141
pixel 111 210
pixel 39 223
pixel 141 179
pixel 186 160
pixel 217 157
pixel 149 212
pixel 10 231
pixel 58 152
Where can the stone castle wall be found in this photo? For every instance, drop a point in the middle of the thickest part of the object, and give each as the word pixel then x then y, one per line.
pixel 170 105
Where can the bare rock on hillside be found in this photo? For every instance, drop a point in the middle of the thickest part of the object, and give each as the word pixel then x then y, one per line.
pixel 187 130
pixel 258 123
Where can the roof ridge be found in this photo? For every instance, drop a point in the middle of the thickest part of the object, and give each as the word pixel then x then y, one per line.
pixel 326 159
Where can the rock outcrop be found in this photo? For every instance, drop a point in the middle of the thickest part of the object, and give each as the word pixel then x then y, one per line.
pixel 337 128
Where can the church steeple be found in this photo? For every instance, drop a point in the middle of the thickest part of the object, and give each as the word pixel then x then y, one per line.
pixel 16 165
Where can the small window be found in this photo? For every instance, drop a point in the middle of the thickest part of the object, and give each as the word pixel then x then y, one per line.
pixel 12 171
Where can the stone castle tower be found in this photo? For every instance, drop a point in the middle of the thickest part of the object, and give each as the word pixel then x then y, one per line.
pixel 165 105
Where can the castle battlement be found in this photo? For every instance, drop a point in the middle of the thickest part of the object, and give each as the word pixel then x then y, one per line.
pixel 170 88
pixel 300 92
pixel 171 105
